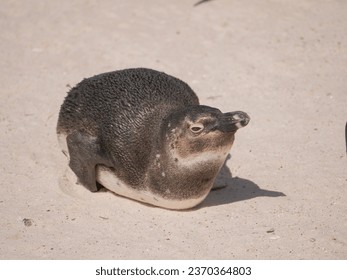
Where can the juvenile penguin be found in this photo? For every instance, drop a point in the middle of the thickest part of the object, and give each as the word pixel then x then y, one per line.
pixel 142 134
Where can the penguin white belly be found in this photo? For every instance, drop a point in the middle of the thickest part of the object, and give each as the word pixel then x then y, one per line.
pixel 63 144
pixel 110 181
pixel 106 177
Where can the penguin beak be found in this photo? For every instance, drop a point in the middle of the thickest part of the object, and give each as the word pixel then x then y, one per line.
pixel 232 121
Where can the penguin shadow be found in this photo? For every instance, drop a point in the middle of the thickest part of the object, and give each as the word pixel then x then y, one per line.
pixel 228 189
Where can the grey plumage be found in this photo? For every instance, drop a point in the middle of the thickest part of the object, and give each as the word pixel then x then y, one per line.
pixel 120 107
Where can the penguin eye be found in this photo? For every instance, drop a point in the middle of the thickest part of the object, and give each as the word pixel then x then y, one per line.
pixel 196 128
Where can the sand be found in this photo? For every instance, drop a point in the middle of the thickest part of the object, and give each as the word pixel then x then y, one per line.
pixel 283 62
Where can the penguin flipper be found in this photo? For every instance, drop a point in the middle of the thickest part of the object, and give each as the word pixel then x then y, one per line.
pixel 84 151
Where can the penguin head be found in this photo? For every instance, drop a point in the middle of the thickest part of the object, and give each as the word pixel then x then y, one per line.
pixel 202 132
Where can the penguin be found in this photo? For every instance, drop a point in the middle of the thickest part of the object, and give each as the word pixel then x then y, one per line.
pixel 143 134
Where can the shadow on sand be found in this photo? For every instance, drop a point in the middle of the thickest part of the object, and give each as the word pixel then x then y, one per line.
pixel 228 190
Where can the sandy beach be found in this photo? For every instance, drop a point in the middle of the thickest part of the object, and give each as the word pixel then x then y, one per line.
pixel 282 62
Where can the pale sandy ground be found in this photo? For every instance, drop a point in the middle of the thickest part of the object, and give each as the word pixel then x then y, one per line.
pixel 283 62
